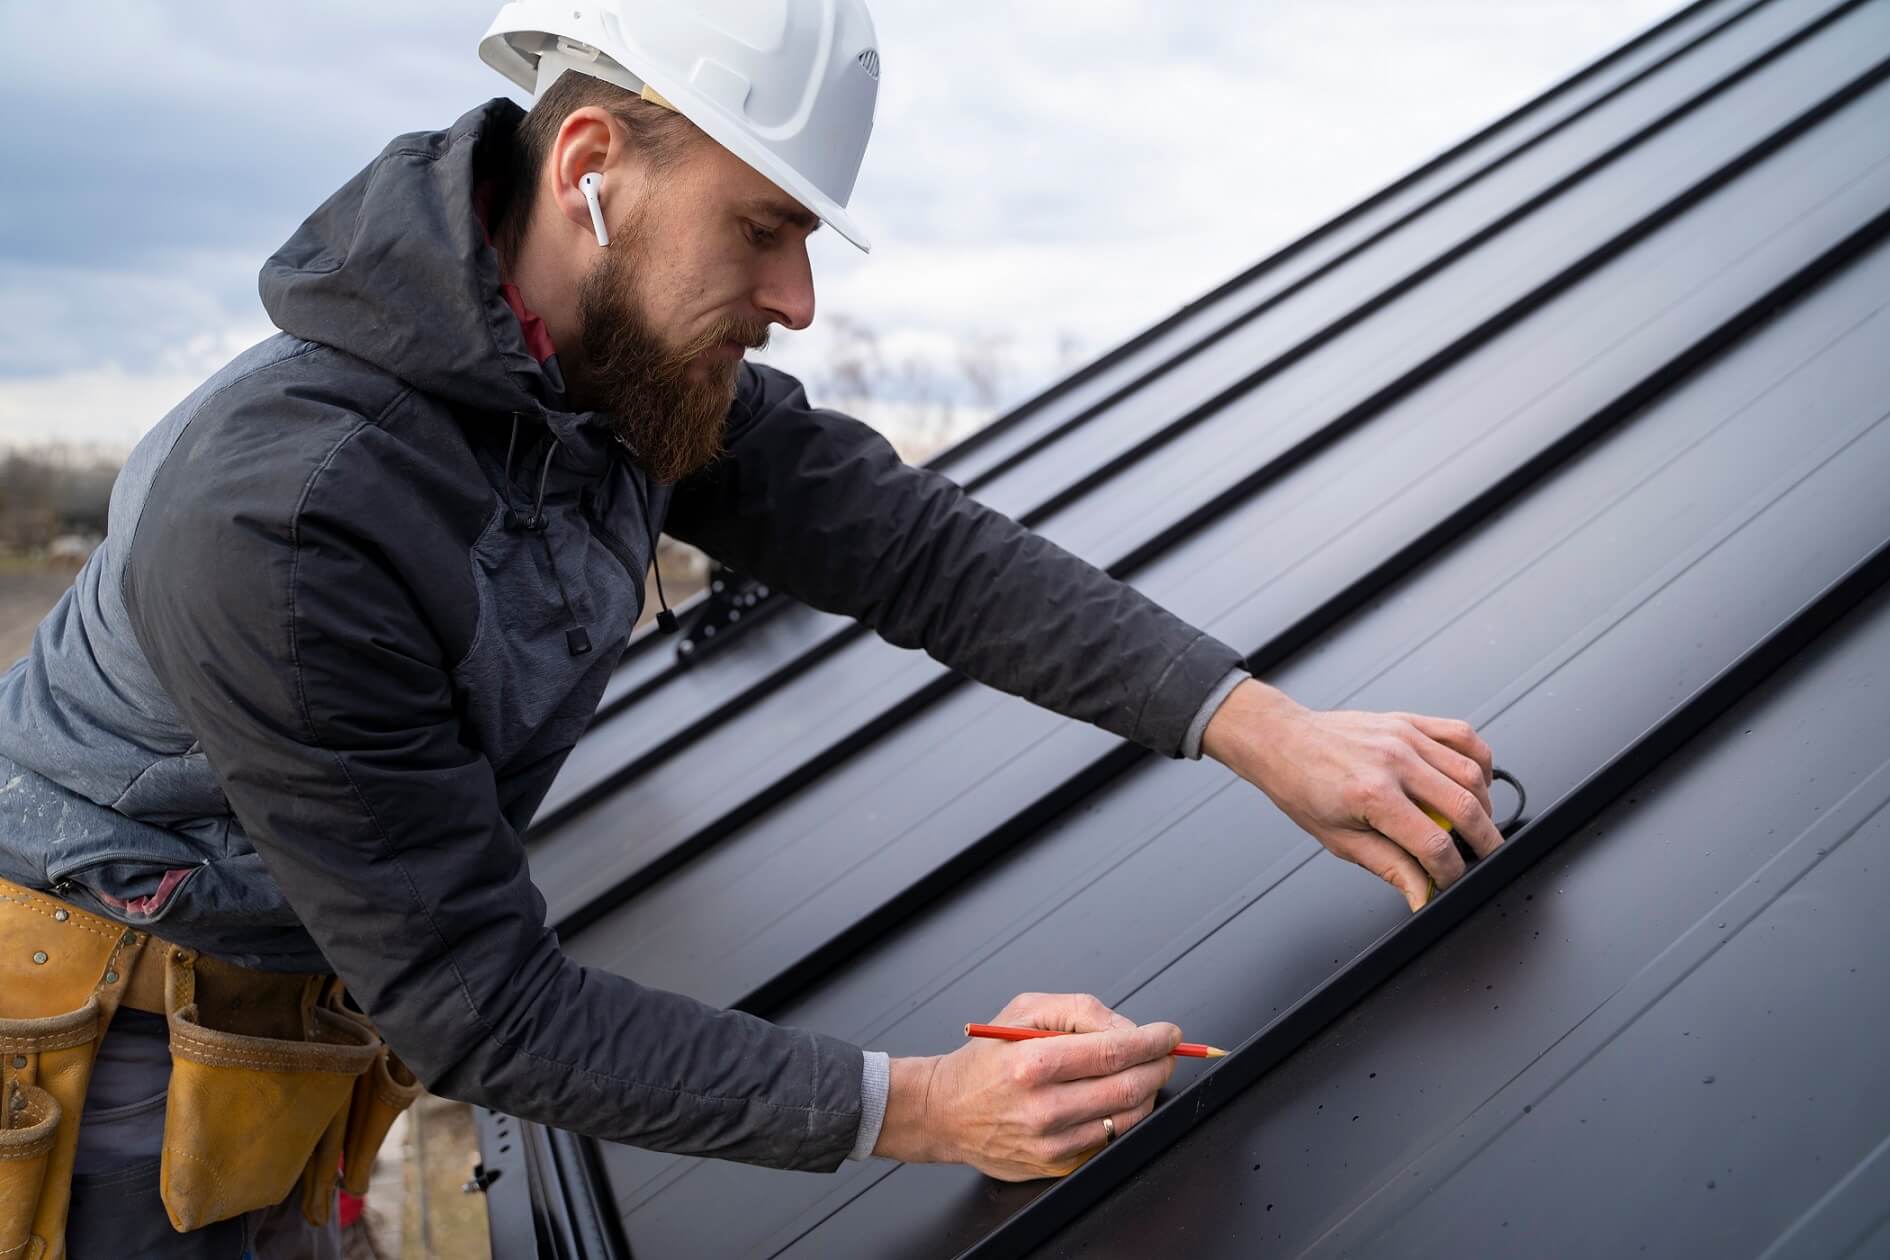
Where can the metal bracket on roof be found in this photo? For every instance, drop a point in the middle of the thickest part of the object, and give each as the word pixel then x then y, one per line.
pixel 546 1197
pixel 735 603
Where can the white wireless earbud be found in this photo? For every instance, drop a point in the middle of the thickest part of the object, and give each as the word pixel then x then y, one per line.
pixel 593 185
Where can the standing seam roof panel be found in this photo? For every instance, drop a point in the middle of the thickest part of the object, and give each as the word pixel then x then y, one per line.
pixel 1453 1022
pixel 1316 891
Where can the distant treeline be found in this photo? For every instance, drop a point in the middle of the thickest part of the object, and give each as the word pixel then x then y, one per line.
pixel 52 491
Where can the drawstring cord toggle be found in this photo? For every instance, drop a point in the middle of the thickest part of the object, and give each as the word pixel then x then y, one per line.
pixel 577 638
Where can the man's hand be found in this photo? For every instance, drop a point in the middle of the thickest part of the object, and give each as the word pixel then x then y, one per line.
pixel 1025 1109
pixel 1358 782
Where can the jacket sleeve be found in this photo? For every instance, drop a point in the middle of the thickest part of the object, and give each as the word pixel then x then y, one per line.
pixel 821 506
pixel 291 638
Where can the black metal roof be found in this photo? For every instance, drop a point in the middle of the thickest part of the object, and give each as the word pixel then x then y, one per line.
pixel 1581 431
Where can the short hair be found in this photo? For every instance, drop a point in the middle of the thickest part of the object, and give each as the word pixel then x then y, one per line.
pixel 660 136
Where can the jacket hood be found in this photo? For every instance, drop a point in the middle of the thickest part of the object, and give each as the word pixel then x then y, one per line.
pixel 395 269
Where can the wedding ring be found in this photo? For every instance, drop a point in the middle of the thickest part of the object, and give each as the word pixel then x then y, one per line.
pixel 1109 1129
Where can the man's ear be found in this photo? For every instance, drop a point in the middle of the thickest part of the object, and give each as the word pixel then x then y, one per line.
pixel 590 143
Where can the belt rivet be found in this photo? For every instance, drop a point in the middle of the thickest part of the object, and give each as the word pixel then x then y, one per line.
pixel 62 915
pixel 41 958
pixel 111 977
pixel 129 938
pixel 19 1062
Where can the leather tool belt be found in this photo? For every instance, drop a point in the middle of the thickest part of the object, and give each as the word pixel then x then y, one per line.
pixel 275 1084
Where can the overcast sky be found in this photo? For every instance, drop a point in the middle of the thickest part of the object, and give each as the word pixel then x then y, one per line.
pixel 1057 173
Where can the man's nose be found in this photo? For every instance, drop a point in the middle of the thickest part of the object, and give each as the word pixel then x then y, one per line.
pixel 786 294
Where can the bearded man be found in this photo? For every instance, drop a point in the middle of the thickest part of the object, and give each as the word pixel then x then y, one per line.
pixel 269 763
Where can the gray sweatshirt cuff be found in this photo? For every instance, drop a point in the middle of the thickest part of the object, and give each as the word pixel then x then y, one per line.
pixel 875 1081
pixel 1191 742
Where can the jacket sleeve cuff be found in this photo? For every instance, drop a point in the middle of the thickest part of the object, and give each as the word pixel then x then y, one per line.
pixel 1174 702
pixel 1191 743
pixel 875 1083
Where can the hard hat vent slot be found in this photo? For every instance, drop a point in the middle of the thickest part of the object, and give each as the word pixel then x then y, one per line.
pixel 576 49
pixel 869 61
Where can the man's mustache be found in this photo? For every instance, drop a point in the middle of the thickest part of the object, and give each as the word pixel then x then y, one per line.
pixel 752 333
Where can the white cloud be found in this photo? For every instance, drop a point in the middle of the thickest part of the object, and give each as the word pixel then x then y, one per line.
pixel 1068 169
pixel 104 407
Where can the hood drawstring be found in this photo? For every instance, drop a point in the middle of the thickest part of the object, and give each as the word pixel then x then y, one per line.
pixel 536 521
pixel 505 485
pixel 665 620
pixel 578 637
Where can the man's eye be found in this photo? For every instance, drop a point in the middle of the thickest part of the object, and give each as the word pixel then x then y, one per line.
pixel 759 236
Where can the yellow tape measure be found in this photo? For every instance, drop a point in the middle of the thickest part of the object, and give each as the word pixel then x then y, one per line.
pixel 1496 776
pixel 1448 827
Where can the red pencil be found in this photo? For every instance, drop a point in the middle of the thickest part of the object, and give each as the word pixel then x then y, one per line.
pixel 999 1032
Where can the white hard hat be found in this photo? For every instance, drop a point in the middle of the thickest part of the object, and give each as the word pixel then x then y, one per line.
pixel 788 86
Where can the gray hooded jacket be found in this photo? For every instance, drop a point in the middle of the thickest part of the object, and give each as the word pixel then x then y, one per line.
pixel 300 707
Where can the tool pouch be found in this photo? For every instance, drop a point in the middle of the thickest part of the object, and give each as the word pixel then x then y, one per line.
pixel 322 1171
pixel 383 1092
pixel 262 1076
pixel 29 1128
pixel 63 973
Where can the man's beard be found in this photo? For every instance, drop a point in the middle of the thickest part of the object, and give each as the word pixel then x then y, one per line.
pixel 673 424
